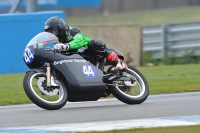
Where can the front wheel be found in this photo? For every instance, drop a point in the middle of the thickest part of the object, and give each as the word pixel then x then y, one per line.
pixel 131 94
pixel 36 89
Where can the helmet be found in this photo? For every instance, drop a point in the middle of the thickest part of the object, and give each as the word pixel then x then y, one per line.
pixel 55 25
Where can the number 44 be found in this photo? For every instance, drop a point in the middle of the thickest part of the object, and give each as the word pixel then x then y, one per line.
pixel 28 55
pixel 88 70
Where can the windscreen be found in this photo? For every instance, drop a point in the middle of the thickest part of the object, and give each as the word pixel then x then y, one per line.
pixel 43 39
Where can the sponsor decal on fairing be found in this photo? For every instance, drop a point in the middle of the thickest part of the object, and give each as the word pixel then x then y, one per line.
pixel 68 60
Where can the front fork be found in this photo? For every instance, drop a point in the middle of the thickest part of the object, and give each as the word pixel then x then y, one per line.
pixel 48 75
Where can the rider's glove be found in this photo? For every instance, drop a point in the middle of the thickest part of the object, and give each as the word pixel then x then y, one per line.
pixel 61 47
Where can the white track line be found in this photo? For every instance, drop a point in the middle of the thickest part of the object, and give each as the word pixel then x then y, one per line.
pixel 112 125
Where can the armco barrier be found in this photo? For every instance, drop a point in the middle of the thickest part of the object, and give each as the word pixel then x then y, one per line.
pixel 172 39
pixel 15 32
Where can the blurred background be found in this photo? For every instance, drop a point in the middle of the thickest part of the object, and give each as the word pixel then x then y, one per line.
pixel 142 12
pixel 147 32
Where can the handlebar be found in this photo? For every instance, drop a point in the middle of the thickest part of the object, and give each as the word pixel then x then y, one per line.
pixel 66 52
pixel 50 49
pixel 61 52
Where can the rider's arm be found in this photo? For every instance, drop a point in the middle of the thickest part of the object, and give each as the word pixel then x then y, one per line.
pixel 77 38
pixel 76 42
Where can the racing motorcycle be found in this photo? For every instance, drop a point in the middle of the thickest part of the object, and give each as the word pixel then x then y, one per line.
pixel 56 77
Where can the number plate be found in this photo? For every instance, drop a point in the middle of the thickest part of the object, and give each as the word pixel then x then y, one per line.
pixel 89 71
pixel 28 55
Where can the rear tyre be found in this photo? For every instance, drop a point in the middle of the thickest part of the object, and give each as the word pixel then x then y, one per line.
pixel 132 95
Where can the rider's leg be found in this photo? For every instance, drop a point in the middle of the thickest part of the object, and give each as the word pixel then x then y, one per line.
pixel 111 56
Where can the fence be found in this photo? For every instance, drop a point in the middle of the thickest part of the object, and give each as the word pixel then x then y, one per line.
pixel 172 39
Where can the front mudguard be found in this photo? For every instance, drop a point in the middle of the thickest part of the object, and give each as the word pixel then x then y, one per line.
pixel 38 70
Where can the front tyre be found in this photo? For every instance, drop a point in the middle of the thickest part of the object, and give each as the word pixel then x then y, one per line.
pixel 36 89
pixel 132 94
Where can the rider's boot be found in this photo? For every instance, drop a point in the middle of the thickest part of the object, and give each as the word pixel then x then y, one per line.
pixel 113 58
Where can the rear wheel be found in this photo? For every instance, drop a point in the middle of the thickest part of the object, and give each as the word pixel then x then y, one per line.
pixel 50 98
pixel 134 94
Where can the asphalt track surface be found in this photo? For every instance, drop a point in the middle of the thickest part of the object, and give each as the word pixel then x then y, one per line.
pixel 180 104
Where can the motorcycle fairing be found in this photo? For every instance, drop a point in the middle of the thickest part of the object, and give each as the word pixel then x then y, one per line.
pixel 84 80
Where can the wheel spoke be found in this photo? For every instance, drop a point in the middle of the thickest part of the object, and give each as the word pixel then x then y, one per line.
pixel 133 91
pixel 42 92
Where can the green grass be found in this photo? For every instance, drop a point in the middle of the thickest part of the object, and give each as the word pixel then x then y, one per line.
pixel 11 89
pixel 179 129
pixel 172 78
pixel 161 79
pixel 143 18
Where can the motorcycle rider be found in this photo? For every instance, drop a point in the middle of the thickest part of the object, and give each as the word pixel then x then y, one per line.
pixel 72 38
